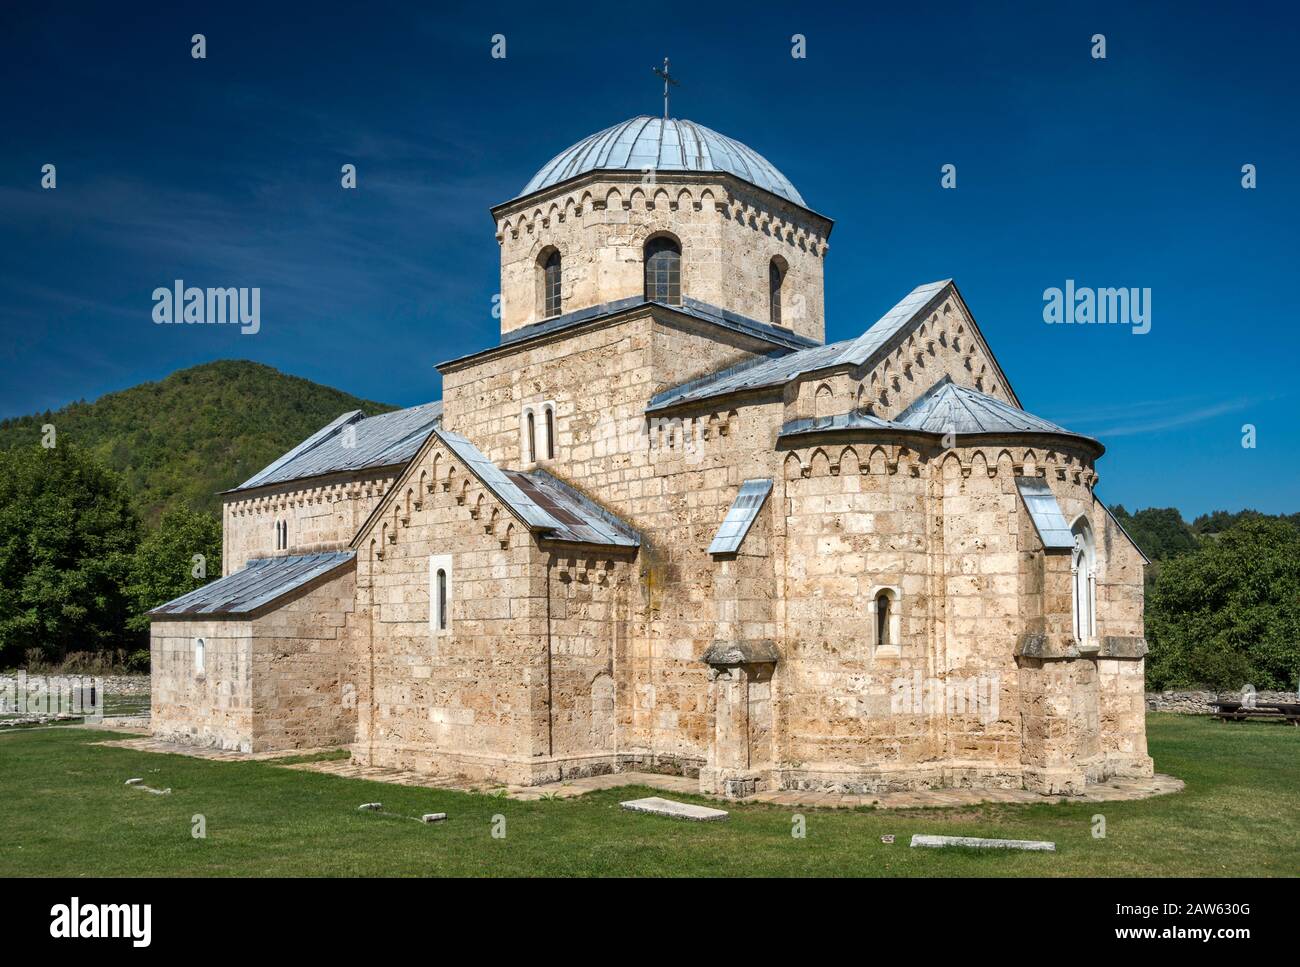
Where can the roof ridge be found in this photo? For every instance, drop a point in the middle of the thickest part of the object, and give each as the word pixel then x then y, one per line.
pixel 939 384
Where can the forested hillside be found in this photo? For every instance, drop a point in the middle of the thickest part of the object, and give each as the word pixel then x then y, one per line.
pixel 177 442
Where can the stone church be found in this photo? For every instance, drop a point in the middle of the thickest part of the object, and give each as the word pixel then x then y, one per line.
pixel 664 525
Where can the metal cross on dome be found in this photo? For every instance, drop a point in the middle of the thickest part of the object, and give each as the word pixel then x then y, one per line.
pixel 668 79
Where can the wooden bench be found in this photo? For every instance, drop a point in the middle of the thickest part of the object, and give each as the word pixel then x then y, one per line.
pixel 1259 712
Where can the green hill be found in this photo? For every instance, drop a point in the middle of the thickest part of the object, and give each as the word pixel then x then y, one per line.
pixel 179 441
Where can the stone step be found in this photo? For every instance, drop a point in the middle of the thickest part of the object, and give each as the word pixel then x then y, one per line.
pixel 677 810
pixel 1029 844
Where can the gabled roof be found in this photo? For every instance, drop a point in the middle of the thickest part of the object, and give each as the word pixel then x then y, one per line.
pixel 916 303
pixel 495 479
pixel 380 441
pixel 545 505
pixel 740 516
pixel 262 581
pixel 769 372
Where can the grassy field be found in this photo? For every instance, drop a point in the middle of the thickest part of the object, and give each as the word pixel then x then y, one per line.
pixel 65 812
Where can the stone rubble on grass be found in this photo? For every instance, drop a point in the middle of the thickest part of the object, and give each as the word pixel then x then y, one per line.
pixel 1029 844
pixel 139 784
pixel 433 817
pixel 371 806
pixel 678 810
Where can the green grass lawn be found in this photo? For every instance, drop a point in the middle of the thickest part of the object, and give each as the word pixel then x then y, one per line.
pixel 64 811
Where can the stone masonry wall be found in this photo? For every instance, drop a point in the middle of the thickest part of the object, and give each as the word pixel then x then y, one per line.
pixel 305 669
pixel 214 707
pixel 323 516
pixel 463 700
pixel 728 235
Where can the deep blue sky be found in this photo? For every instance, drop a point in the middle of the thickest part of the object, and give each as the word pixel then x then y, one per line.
pixel 225 171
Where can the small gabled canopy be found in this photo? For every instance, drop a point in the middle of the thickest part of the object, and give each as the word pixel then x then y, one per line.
pixel 1053 530
pixel 385 440
pixel 262 581
pixel 741 516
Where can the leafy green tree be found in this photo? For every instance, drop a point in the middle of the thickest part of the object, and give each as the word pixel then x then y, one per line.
pixel 1220 521
pixel 1229 614
pixel 165 565
pixel 1161 532
pixel 67 534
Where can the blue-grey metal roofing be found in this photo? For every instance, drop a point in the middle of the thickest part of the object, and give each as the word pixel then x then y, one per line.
pixel 542 502
pixel 783 339
pixel 495 479
pixel 262 580
pixel 944 408
pixel 384 440
pixel 769 371
pixel 578 520
pixel 948 408
pixel 1045 512
pixel 740 516
pixel 663 145
pixel 853 420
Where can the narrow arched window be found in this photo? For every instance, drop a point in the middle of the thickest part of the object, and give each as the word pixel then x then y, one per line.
pixel 442 600
pixel 200 656
pixel 883 616
pixel 663 271
pixel 1083 577
pixel 532 437
pixel 551 291
pixel 775 277
pixel 550 433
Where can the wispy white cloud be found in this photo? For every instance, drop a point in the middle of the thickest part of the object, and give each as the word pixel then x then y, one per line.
pixel 1168 415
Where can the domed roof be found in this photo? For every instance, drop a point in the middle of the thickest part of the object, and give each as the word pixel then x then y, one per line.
pixel 665 145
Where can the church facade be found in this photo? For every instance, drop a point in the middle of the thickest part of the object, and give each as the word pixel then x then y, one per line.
pixel 663 525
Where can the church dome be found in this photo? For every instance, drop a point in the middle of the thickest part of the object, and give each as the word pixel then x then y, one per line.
pixel 665 145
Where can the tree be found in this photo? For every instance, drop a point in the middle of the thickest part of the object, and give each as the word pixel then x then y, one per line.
pixel 1229 614
pixel 165 565
pixel 1161 532
pixel 67 533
